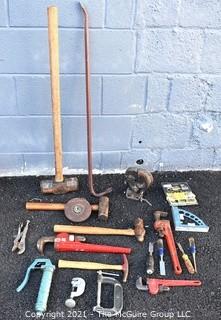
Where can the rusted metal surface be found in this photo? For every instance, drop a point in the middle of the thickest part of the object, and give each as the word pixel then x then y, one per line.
pixel 88 107
pixel 77 209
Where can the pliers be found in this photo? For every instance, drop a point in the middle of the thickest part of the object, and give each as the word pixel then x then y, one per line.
pixel 19 242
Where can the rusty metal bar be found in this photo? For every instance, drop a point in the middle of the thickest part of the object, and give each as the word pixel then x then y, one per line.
pixel 88 107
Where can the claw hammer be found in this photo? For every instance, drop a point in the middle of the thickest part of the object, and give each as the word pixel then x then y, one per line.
pixel 164 229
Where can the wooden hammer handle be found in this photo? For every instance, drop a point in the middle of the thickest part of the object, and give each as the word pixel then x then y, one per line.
pixel 88 265
pixel 55 89
pixel 44 206
pixel 93 230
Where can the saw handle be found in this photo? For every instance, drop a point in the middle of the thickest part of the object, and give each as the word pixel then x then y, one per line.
pixel 44 206
pixel 92 230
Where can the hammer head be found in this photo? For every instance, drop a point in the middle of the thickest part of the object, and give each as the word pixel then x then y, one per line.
pixel 139 229
pixel 65 186
pixel 125 268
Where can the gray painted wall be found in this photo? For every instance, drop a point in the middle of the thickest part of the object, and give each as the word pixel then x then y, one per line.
pixel 156 85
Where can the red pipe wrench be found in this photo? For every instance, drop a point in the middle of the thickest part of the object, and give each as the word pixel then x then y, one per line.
pixel 164 229
pixel 155 286
pixel 65 242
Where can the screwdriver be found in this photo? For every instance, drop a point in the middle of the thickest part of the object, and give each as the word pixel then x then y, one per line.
pixel 150 259
pixel 186 260
pixel 160 250
pixel 192 248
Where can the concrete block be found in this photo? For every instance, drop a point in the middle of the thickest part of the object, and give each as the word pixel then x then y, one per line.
pixel 210 61
pixel 156 13
pixel 119 14
pixel 186 159
pixel 10 163
pixel 217 159
pixel 110 133
pixel 8 104
pixel 34 95
pixel 34 13
pixel 188 93
pixel 161 131
pixel 146 158
pixel 200 13
pixel 207 131
pixel 43 163
pixel 110 160
pixel 158 93
pixel 165 50
pixel 3 13
pixel 124 94
pixel 26 51
pixel 20 134
pixel 213 99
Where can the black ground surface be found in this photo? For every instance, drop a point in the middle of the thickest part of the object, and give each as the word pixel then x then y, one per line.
pixel 201 302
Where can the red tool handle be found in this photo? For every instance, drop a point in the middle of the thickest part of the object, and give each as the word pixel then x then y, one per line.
pixel 65 242
pixel 163 226
pixel 154 285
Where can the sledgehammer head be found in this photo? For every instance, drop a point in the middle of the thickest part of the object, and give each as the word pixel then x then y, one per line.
pixel 65 186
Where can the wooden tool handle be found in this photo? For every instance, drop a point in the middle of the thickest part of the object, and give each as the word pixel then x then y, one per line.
pixel 93 230
pixel 55 89
pixel 87 265
pixel 44 206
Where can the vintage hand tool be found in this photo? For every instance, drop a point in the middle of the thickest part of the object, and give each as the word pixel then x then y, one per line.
pixel 150 259
pixel 64 242
pixel 48 269
pixel 85 265
pixel 88 106
pixel 155 286
pixel 192 248
pixel 138 231
pixel 78 287
pixel 164 229
pixel 118 295
pixel 186 259
pixel 76 209
pixel 59 185
pixel 193 224
pixel 160 250
pixel 138 181
pixel 19 242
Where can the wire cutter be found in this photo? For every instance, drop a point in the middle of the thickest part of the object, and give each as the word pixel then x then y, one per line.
pixel 19 242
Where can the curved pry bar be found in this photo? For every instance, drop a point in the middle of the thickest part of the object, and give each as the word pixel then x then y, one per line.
pixel 88 107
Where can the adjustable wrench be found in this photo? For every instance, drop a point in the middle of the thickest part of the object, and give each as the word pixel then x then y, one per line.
pixel 164 229
pixel 155 286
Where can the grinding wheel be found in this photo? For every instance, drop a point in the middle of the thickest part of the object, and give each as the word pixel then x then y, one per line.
pixel 77 210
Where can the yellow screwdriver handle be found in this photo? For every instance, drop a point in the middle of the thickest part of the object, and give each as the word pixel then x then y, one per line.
pixel 188 264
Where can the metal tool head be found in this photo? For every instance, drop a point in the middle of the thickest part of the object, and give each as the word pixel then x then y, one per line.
pixel 77 210
pixel 125 268
pixel 103 208
pixel 151 247
pixel 139 229
pixel 159 214
pixel 118 296
pixel 42 241
pixel 62 187
pixel 140 285
pixel 138 181
pixel 78 287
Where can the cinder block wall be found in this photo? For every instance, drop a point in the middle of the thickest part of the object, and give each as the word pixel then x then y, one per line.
pixel 156 85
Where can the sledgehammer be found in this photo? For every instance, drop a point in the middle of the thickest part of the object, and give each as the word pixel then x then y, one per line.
pixel 59 185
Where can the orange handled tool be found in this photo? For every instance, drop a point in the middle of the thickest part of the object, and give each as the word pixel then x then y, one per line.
pixel 186 260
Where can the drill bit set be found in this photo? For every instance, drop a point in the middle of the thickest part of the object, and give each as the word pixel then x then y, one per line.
pixel 65 237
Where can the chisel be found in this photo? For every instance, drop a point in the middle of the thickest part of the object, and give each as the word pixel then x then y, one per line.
pixel 192 248
pixel 186 260
pixel 150 259
pixel 160 250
